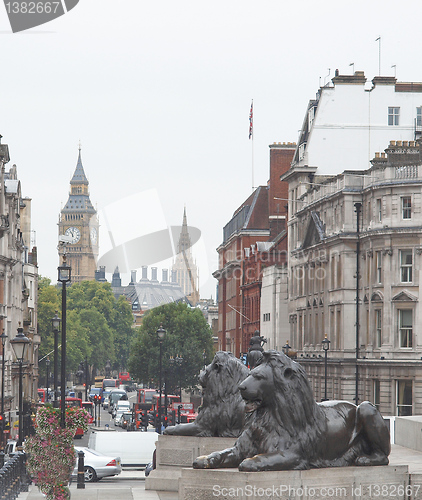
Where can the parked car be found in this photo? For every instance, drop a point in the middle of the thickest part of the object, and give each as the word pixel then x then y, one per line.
pixel 95 391
pixel 125 420
pixel 106 401
pixel 151 465
pixel 97 465
pixel 105 394
pixel 148 469
pixel 116 395
pixel 118 416
pixel 10 449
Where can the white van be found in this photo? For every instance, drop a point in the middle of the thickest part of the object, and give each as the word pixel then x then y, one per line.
pixel 123 405
pixel 120 406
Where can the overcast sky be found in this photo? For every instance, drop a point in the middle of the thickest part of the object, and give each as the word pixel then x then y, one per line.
pixel 159 94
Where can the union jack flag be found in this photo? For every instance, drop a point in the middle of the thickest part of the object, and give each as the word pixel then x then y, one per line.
pixel 251 122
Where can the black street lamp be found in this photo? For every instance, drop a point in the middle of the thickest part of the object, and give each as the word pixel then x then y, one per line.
pixel 18 344
pixel 161 335
pixel 86 379
pixel 64 278
pixel 286 348
pixel 3 338
pixel 178 360
pixel 47 363
pixel 326 347
pixel 55 323
pixel 204 355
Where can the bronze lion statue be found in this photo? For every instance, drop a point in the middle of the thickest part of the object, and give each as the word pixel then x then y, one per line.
pixel 286 429
pixel 223 408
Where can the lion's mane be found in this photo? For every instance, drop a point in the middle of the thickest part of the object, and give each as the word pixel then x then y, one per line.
pixel 222 410
pixel 293 414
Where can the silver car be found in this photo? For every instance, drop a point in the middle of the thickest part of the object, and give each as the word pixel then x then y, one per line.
pixel 97 465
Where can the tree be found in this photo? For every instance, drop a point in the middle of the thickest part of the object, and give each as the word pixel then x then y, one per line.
pixel 98 327
pixel 188 335
pixel 48 304
pixel 123 332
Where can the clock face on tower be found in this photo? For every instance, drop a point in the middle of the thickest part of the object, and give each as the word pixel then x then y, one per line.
pixel 74 234
pixel 93 234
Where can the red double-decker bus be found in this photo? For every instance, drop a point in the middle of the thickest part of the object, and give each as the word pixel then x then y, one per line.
pixel 124 377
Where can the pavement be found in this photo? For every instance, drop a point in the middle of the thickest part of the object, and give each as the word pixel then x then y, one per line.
pixel 115 488
pixel 120 487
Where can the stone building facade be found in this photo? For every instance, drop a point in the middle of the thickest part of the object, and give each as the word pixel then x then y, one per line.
pixel 18 288
pixel 355 247
pixel 351 119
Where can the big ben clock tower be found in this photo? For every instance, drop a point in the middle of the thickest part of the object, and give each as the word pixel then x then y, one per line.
pixel 79 222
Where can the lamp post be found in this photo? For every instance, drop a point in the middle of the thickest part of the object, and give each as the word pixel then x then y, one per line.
pixel 286 348
pixel 3 338
pixel 47 364
pixel 326 347
pixel 64 278
pixel 86 379
pixel 358 208
pixel 55 323
pixel 18 344
pixel 161 335
pixel 178 360
pixel 204 355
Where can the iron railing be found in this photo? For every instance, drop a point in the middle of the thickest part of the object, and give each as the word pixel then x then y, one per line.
pixel 13 477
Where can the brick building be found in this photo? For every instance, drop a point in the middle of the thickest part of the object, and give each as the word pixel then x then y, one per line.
pixel 254 238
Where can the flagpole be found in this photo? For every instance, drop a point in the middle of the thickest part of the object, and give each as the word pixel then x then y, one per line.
pixel 253 180
pixel 251 137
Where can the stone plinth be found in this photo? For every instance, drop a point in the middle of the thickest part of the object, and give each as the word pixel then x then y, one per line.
pixel 350 483
pixel 408 432
pixel 176 452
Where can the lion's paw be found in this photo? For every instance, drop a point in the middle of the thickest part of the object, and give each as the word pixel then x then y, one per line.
pixel 201 462
pixel 207 461
pixel 249 465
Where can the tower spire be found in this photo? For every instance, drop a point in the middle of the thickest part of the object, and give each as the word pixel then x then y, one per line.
pixel 184 239
pixel 79 176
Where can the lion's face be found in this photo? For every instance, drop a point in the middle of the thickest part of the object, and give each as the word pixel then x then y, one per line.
pixel 260 387
pixel 224 372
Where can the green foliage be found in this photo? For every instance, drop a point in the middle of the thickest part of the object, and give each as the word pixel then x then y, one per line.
pixel 188 335
pixel 98 326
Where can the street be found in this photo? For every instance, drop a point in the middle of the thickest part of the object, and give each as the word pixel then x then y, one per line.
pixel 104 419
pixel 135 448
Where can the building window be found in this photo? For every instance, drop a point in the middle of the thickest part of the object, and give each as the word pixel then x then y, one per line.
pixel 406 207
pixel 393 116
pixel 377 391
pixel 419 116
pixel 266 316
pixel 405 327
pixel 406 266
pixel 404 398
pixel 378 265
pixel 378 327
pixel 379 209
